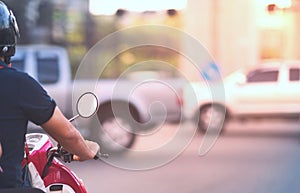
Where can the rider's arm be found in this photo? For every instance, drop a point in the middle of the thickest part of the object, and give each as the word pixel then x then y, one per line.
pixel 41 109
pixel 68 136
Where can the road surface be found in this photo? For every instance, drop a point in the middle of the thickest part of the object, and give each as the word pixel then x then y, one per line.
pixel 251 157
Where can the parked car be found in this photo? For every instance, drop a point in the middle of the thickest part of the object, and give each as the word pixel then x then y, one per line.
pixel 270 89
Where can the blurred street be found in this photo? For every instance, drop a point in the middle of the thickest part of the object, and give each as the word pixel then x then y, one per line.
pixel 251 157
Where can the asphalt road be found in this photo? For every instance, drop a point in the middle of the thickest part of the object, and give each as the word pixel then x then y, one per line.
pixel 252 157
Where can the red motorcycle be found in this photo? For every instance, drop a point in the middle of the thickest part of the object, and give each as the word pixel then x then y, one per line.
pixel 43 159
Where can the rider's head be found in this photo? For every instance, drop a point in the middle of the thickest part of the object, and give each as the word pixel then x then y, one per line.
pixel 9 32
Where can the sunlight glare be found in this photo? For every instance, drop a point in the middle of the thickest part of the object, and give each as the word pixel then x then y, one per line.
pixel 98 7
pixel 281 4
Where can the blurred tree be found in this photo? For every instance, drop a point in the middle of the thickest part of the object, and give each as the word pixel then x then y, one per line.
pixel 69 24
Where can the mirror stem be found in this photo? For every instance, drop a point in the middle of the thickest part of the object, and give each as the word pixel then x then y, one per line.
pixel 73 118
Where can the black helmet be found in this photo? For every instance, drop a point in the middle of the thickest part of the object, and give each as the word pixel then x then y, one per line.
pixel 9 32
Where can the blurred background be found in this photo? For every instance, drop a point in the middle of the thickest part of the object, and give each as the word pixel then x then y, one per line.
pixel 253 157
pixel 236 33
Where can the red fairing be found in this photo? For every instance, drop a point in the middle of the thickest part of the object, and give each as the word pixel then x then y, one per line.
pixel 58 173
pixel 39 157
pixel 37 153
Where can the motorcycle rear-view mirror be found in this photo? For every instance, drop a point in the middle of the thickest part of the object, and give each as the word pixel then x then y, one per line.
pixel 86 106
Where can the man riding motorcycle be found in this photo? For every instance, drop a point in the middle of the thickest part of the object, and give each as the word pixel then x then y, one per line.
pixel 22 99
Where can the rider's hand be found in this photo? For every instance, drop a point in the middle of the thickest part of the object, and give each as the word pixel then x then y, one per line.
pixel 93 146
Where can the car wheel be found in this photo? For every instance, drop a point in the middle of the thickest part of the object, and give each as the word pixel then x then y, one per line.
pixel 114 134
pixel 212 119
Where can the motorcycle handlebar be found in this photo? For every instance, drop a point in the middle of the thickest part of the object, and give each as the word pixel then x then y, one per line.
pixel 64 156
pixel 67 157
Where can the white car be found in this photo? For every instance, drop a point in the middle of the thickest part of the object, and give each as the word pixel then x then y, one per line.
pixel 134 101
pixel 271 89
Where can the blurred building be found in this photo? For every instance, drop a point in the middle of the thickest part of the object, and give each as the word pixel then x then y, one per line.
pixel 242 33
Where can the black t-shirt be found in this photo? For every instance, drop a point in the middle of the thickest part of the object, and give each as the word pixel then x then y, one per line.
pixel 22 99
